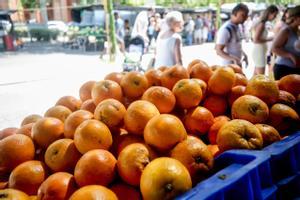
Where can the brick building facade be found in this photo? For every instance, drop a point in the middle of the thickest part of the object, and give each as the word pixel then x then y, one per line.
pixel 56 10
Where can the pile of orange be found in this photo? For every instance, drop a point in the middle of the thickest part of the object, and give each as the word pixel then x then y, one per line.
pixel 150 136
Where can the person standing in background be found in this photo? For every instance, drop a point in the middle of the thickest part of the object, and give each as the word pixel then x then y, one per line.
pixel 248 26
pixel 151 29
pixel 120 31
pixel 169 42
pixel 260 39
pixel 140 26
pixel 189 29
pixel 158 22
pixel 205 30
pixel 198 30
pixel 286 46
pixel 282 22
pixel 229 38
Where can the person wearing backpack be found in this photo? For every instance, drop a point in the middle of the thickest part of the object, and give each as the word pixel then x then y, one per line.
pixel 229 37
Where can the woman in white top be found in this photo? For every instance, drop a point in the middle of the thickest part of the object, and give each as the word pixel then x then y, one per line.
pixel 260 39
pixel 169 42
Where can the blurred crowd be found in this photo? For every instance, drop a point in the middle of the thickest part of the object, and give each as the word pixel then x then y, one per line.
pixel 274 33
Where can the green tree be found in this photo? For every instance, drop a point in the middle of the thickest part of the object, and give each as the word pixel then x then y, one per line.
pixel 29 3
pixel 110 29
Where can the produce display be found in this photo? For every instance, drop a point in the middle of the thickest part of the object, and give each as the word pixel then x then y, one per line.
pixel 151 135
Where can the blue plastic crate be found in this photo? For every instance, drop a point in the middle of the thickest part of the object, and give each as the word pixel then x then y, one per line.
pixel 285 166
pixel 272 173
pixel 242 174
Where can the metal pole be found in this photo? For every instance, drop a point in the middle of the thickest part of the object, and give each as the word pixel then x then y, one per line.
pixel 44 14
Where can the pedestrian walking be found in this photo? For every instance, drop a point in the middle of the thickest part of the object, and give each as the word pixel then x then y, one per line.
pixel 229 38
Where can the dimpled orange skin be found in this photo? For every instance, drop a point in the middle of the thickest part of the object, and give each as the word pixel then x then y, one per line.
pixel 164 178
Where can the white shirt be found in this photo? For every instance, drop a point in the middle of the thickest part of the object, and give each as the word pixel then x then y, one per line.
pixel 190 26
pixel 140 25
pixel 165 51
pixel 232 42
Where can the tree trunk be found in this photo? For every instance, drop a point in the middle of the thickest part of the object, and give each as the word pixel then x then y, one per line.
pixel 218 20
pixel 44 14
pixel 110 29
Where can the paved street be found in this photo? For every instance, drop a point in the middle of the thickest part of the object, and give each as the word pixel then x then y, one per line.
pixel 33 79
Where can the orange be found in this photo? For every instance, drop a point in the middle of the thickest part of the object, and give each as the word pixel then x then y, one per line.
pixel 7 132
pixel 106 89
pixel 28 177
pixel 221 81
pixel 3 183
pixel 122 139
pixel 74 120
pixel 134 84
pixel 215 67
pixel 12 194
pixel 214 129
pixel 131 162
pixel 153 77
pixel 173 74
pixel 137 116
pixel 202 85
pixel 26 130
pixel 14 150
pixel 115 76
pixel 216 104
pixel 161 97
pixel 92 134
pixel 188 93
pixel 94 192
pixel 30 119
pixel 88 105
pixel 250 108
pixel 269 134
pixel 290 83
pixel 195 156
pixel 198 120
pixel 191 64
pixel 214 149
pixel 70 102
pixel 236 92
pixel 283 117
pixel 58 186
pixel 59 112
pixel 62 155
pixel 298 104
pixel 240 79
pixel 239 134
pixel 162 68
pixel 122 188
pixel 47 130
pixel 86 90
pixel 95 167
pixel 111 112
pixel 201 71
pixel 286 98
pixel 264 88
pixel 164 178
pixel 236 68
pixel 164 131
